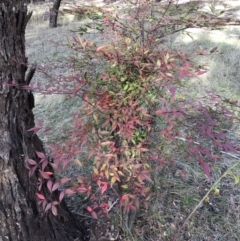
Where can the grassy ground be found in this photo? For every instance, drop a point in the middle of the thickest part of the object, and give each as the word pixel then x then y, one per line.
pixel 176 196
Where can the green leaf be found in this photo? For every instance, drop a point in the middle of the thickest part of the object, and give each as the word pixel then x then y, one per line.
pixel 126 87
pixel 236 179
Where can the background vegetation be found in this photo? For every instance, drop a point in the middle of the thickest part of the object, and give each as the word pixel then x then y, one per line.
pixel 165 68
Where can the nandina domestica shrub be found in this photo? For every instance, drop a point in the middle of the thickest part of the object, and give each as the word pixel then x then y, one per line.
pixel 136 117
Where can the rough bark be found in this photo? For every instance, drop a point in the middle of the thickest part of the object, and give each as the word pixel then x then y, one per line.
pixel 54 14
pixel 21 219
pixel 34 1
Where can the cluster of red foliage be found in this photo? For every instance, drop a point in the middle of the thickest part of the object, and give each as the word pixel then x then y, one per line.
pixel 133 116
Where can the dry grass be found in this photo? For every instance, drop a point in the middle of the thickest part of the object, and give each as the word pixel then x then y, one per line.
pixel 175 195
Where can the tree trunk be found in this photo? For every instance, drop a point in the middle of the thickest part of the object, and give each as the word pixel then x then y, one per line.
pixel 33 1
pixel 54 14
pixel 21 218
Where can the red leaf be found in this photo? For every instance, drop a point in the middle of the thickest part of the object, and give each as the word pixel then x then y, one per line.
pixel 213 50
pixel 45 175
pixel 69 192
pixel 48 207
pixel 201 72
pixel 106 143
pixel 136 202
pixel 32 170
pixel 82 189
pixel 49 185
pixel 209 132
pixel 25 87
pixel 34 129
pixel 61 196
pixel 44 164
pixel 144 176
pixel 89 191
pixel 160 112
pixel 104 187
pixel 133 208
pixel 206 168
pixel 65 163
pixel 44 204
pixel 94 215
pixel 124 199
pixel 54 210
pixel 146 204
pixel 40 182
pixel 49 173
pixel 144 191
pixel 55 203
pixel 89 209
pixel 137 166
pixel 229 147
pixel 172 91
pixel 40 155
pixel 217 143
pixel 100 48
pixel 55 186
pixel 46 130
pixel 64 180
pixel 31 162
pixel 52 147
pixel 80 179
pixel 40 196
pixel 55 166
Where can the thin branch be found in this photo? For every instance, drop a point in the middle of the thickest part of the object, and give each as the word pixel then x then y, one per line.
pixel 113 204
